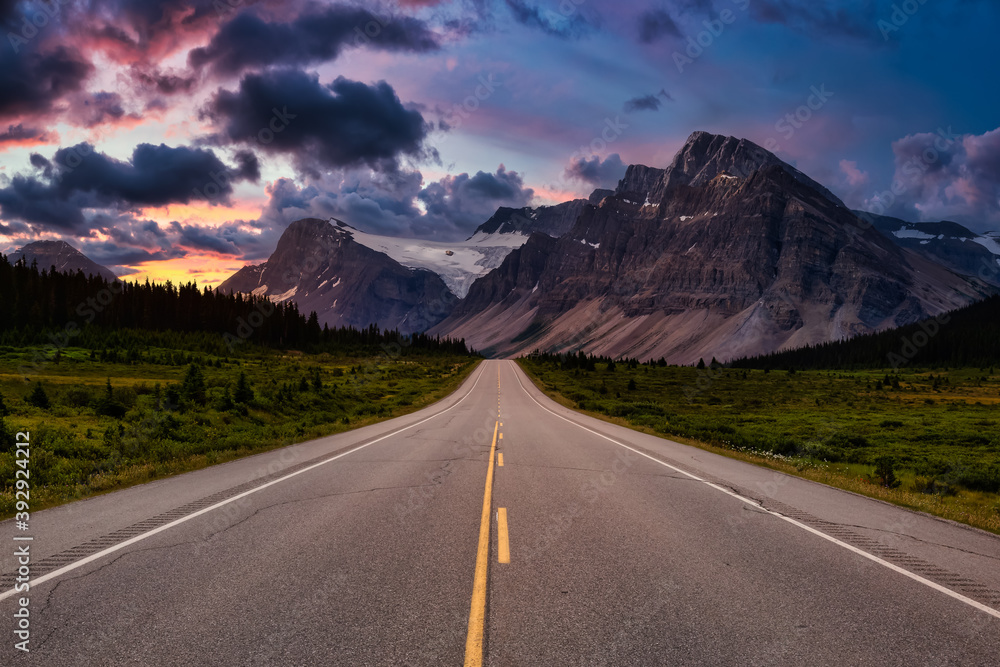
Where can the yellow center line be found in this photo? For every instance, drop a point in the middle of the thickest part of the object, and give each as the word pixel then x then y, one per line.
pixel 477 613
pixel 500 459
pixel 501 436
pixel 503 544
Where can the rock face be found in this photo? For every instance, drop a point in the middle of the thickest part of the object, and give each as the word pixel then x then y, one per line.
pixel 63 256
pixel 552 220
pixel 947 243
pixel 321 268
pixel 727 252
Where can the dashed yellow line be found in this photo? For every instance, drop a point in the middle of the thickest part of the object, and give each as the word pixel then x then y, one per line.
pixel 503 544
pixel 477 612
pixel 500 459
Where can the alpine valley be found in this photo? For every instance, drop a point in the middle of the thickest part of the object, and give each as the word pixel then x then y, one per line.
pixel 727 252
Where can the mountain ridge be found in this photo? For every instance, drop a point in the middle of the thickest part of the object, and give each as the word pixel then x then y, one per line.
pixel 727 252
pixel 323 269
pixel 61 255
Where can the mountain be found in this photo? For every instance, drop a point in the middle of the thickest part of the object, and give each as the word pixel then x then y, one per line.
pixel 400 285
pixel 552 220
pixel 61 255
pixel 947 243
pixel 322 268
pixel 460 263
pixel 727 252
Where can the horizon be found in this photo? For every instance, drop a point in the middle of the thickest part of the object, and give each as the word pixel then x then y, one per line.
pixel 177 141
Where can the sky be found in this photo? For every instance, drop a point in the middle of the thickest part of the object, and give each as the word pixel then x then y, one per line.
pixel 176 139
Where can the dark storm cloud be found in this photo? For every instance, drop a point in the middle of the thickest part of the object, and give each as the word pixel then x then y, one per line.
pixel 98 108
pixel 651 102
pixel 19 133
pixel 155 80
pixel 449 209
pixel 247 166
pixel 249 41
pixel 201 238
pixel 655 24
pixel 343 124
pixel 507 186
pixel 31 82
pixel 41 162
pixel 82 178
pixel 597 172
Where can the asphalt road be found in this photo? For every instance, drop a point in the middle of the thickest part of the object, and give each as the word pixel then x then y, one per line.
pixel 370 548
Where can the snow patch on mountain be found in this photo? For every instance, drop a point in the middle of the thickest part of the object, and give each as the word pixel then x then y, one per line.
pixel 906 233
pixel 991 242
pixel 459 264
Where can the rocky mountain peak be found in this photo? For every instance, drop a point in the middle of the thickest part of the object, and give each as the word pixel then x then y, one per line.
pixel 704 157
pixel 63 256
pixel 321 267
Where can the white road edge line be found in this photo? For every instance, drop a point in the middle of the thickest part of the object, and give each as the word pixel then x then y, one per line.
pixel 138 538
pixel 895 568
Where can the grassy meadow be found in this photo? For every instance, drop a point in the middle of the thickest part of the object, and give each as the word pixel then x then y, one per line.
pixel 101 420
pixel 924 438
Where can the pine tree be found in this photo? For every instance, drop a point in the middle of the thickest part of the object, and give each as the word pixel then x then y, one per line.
pixel 193 387
pixel 39 398
pixel 243 393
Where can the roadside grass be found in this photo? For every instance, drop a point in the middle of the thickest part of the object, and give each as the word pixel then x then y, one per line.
pixel 937 429
pixel 156 422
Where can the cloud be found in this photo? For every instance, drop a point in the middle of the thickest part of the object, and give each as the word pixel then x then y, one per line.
pixel 651 102
pixel 202 238
pixel 855 177
pixel 564 24
pixel 394 204
pixel 855 19
pixel 79 178
pixel 944 176
pixel 464 202
pixel 31 82
pixel 152 79
pixel 248 41
pixel 92 109
pixel 24 136
pixel 656 24
pixel 343 124
pixel 147 31
pixel 597 172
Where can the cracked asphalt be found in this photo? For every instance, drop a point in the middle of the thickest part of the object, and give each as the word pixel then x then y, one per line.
pixel 369 559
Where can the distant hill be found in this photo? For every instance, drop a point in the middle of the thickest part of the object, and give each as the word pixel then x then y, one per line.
pixel 969 336
pixel 61 255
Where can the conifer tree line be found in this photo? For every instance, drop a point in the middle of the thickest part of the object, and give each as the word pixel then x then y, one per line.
pixel 969 337
pixel 966 337
pixel 46 306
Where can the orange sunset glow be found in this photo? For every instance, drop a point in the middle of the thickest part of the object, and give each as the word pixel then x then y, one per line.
pixel 206 269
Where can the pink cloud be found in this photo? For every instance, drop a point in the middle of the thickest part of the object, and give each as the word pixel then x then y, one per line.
pixel 855 177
